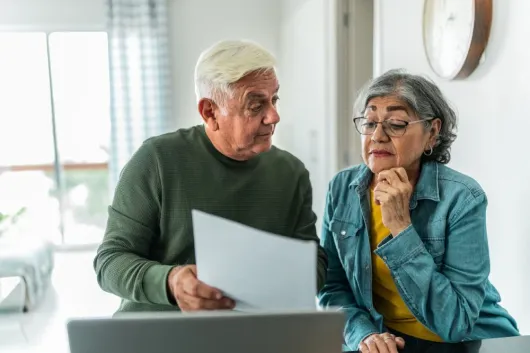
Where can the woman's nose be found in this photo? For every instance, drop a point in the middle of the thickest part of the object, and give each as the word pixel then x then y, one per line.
pixel 379 134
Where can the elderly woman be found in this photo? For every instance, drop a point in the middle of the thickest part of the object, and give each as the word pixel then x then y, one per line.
pixel 406 235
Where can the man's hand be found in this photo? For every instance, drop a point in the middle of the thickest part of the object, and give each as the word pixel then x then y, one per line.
pixel 382 343
pixel 194 295
pixel 393 193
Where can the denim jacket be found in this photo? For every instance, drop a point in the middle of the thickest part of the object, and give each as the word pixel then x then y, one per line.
pixel 440 263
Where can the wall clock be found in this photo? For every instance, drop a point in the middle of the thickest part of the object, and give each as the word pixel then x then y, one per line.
pixel 455 34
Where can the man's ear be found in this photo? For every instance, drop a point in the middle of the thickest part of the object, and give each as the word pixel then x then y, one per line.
pixel 207 108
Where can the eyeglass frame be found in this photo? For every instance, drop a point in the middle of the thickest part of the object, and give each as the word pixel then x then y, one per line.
pixel 407 123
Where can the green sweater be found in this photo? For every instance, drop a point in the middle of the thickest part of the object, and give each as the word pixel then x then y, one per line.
pixel 149 228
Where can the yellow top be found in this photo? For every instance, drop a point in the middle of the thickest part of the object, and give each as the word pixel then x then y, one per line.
pixel 387 300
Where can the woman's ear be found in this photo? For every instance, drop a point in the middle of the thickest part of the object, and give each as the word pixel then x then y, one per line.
pixel 436 126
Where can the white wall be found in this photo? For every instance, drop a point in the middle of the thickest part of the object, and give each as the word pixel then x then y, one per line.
pixel 307 113
pixel 492 138
pixel 197 24
pixel 52 14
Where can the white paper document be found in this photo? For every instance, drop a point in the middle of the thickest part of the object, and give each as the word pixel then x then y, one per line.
pixel 259 270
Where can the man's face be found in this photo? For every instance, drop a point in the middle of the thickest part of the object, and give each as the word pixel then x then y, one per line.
pixel 246 121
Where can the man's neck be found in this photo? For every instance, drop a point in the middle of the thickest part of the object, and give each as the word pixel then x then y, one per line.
pixel 225 149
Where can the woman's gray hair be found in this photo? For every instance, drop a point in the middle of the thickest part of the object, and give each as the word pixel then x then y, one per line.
pixel 424 97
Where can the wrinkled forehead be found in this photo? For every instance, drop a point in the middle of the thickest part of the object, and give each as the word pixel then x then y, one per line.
pixel 386 104
pixel 257 83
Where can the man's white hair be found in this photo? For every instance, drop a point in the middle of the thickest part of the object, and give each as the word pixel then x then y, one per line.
pixel 225 63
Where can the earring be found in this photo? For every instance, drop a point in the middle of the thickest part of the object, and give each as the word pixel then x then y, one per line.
pixel 428 153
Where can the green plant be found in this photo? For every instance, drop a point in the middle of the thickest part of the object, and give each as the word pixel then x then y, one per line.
pixel 4 217
pixel 7 220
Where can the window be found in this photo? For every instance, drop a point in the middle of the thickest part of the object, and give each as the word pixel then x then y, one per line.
pixel 55 133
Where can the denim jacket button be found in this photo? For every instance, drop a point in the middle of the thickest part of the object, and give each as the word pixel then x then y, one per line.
pixel 343 232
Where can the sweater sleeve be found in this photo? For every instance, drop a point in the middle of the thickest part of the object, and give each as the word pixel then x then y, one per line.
pixel 306 227
pixel 122 261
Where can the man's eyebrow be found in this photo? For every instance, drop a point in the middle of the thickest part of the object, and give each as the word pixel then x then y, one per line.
pixel 259 95
pixel 255 95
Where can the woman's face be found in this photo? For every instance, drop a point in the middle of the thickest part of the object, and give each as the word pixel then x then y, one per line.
pixel 382 150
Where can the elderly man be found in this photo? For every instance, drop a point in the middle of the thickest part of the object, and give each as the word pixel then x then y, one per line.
pixel 227 167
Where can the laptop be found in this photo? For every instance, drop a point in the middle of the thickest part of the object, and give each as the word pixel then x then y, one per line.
pixel 213 332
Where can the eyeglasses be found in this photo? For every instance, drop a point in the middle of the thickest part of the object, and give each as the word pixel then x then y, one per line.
pixel 391 127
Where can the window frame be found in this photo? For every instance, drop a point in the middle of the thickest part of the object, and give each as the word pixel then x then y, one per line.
pixel 57 167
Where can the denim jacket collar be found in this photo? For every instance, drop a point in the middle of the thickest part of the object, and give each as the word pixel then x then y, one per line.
pixel 427 187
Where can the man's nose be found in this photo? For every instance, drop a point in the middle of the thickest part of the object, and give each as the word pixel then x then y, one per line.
pixel 272 117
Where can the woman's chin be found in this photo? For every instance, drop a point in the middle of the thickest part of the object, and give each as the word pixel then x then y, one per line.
pixel 378 166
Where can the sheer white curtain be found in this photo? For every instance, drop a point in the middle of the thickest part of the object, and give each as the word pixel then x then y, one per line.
pixel 140 75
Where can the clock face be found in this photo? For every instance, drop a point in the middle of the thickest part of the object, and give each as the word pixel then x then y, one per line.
pixel 447 33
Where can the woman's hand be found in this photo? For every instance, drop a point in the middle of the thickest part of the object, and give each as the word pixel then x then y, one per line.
pixel 382 343
pixel 392 192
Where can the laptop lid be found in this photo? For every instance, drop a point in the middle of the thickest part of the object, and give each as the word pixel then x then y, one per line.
pixel 234 332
